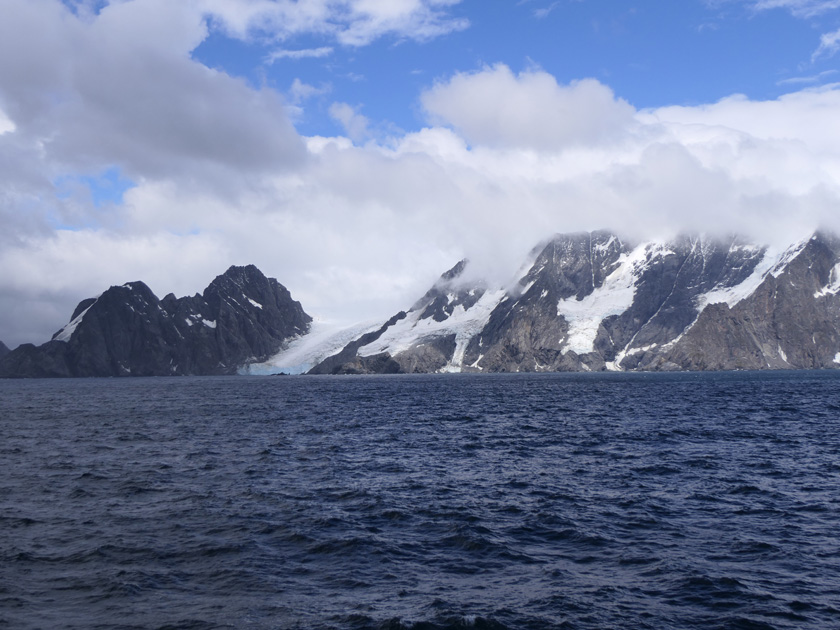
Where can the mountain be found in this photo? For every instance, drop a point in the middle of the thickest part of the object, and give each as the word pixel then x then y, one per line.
pixel 4 350
pixel 593 301
pixel 241 317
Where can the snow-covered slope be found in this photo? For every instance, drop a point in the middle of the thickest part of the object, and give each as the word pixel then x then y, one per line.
pixel 592 301
pixel 302 353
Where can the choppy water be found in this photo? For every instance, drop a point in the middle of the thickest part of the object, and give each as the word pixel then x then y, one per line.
pixel 542 501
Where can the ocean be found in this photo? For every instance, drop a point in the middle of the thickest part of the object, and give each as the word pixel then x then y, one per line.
pixel 575 501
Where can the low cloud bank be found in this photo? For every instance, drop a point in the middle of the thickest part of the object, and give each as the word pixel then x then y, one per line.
pixel 355 230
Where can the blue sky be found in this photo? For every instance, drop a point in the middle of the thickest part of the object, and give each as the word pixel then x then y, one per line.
pixel 355 149
pixel 651 53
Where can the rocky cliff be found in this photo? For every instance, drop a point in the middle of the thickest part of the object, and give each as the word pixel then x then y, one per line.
pixel 127 331
pixel 3 350
pixel 593 301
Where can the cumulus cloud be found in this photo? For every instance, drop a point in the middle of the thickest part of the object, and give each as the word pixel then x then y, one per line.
pixel 495 107
pixel 354 230
pixel 355 124
pixel 122 89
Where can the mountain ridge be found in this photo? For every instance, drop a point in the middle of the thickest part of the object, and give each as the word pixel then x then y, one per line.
pixel 586 301
pixel 591 301
pixel 241 317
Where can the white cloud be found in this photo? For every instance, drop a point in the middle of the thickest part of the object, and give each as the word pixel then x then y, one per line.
pixel 304 53
pixel 122 89
pixel 350 22
pixel 800 8
pixel 355 124
pixel 812 79
pixel 301 91
pixel 6 124
pixel 544 12
pixel 354 231
pixel 829 45
pixel 497 108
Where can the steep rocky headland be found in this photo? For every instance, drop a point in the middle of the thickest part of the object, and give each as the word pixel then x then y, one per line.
pixel 241 317
pixel 592 301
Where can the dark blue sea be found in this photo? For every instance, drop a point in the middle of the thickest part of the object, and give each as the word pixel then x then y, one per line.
pixel 707 501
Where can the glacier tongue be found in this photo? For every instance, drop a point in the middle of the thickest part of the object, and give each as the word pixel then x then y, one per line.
pixel 302 353
pixel 613 298
pixel 589 301
pixel 463 323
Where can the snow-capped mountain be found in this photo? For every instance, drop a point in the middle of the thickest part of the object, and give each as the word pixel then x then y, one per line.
pixel 581 302
pixel 241 317
pixel 593 301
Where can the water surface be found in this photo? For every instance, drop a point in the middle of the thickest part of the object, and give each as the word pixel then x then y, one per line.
pixel 426 502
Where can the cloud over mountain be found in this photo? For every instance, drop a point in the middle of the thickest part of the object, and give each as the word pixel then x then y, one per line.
pixel 217 174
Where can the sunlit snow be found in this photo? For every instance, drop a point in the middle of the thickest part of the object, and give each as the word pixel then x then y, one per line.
pixel 773 262
pixel 463 323
pixel 305 352
pixel 833 286
pixel 612 298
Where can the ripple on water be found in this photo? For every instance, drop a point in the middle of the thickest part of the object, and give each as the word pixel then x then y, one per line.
pixel 531 501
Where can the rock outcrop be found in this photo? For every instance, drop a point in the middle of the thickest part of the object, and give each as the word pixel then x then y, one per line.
pixel 4 350
pixel 127 331
pixel 593 301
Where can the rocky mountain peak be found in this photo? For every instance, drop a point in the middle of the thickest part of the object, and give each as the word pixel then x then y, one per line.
pixel 448 293
pixel 594 301
pixel 572 265
pixel 242 316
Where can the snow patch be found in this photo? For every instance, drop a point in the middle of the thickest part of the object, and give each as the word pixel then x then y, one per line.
pixel 209 323
pixel 463 323
pixel 255 303
pixel 603 247
pixel 612 298
pixel 67 332
pixel 833 286
pixel 527 287
pixel 788 256
pixel 837 358
pixel 772 263
pixel 189 321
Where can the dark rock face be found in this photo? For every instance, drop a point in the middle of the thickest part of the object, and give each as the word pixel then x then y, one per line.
pixel 792 320
pixel 524 332
pixel 591 301
pixel 127 331
pixel 4 350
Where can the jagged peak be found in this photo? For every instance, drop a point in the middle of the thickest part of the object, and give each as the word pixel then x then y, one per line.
pixel 828 238
pixel 456 270
pixel 83 306
pixel 243 271
pixel 238 275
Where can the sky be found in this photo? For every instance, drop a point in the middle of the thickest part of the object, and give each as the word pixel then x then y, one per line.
pixel 356 149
